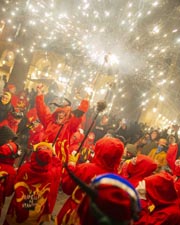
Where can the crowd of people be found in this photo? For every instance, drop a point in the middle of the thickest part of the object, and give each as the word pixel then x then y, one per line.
pixel 117 172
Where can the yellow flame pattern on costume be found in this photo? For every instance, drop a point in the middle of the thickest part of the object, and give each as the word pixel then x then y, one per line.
pixel 34 217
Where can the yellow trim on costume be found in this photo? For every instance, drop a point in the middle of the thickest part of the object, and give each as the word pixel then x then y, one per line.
pixel 48 145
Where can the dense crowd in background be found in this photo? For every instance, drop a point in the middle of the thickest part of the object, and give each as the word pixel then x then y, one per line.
pixel 46 146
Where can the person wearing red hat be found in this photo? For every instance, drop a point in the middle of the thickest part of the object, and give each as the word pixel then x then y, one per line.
pixel 22 102
pixel 12 89
pixel 109 200
pixel 139 168
pixel 173 153
pixel 9 151
pixel 36 129
pixel 13 120
pixel 34 188
pixel 61 124
pixel 108 153
pixel 159 200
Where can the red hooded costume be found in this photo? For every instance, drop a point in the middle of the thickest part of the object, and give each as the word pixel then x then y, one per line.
pixel 32 202
pixel 177 176
pixel 162 196
pixel 144 166
pixel 112 199
pixel 172 155
pixel 36 129
pixel 70 124
pixel 7 170
pixel 108 153
pixel 8 153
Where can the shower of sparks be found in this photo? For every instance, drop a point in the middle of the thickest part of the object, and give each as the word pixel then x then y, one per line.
pixel 136 42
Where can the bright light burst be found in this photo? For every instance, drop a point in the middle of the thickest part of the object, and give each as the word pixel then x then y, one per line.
pixel 137 40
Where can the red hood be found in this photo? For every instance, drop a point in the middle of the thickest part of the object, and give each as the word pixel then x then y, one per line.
pixel 144 167
pixel 108 153
pixel 160 189
pixel 41 160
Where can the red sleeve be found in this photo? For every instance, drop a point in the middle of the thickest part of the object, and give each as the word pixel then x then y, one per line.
pixel 43 111
pixel 68 185
pixel 84 105
pixel 171 156
pixel 84 171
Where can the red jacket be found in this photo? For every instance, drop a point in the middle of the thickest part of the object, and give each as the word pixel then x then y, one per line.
pixel 7 171
pixel 7 177
pixel 172 155
pixel 160 192
pixel 143 168
pixel 108 155
pixel 11 122
pixel 35 190
pixel 51 128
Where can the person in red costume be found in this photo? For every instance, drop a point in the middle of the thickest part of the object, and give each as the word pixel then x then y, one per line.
pixel 36 129
pixel 160 197
pixel 108 153
pixel 140 167
pixel 8 153
pixel 75 141
pixel 60 124
pixel 13 120
pixel 14 98
pixel 173 153
pixel 22 102
pixel 34 188
pixel 87 152
pixel 109 200
pixel 176 176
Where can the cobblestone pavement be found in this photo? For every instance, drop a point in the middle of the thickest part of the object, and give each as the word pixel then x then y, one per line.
pixel 61 198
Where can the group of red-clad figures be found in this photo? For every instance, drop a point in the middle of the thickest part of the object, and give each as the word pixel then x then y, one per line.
pixel 102 186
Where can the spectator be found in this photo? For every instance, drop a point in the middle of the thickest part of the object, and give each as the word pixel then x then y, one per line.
pixel 153 143
pixel 101 127
pixel 159 154
pixel 122 129
pixel 130 151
